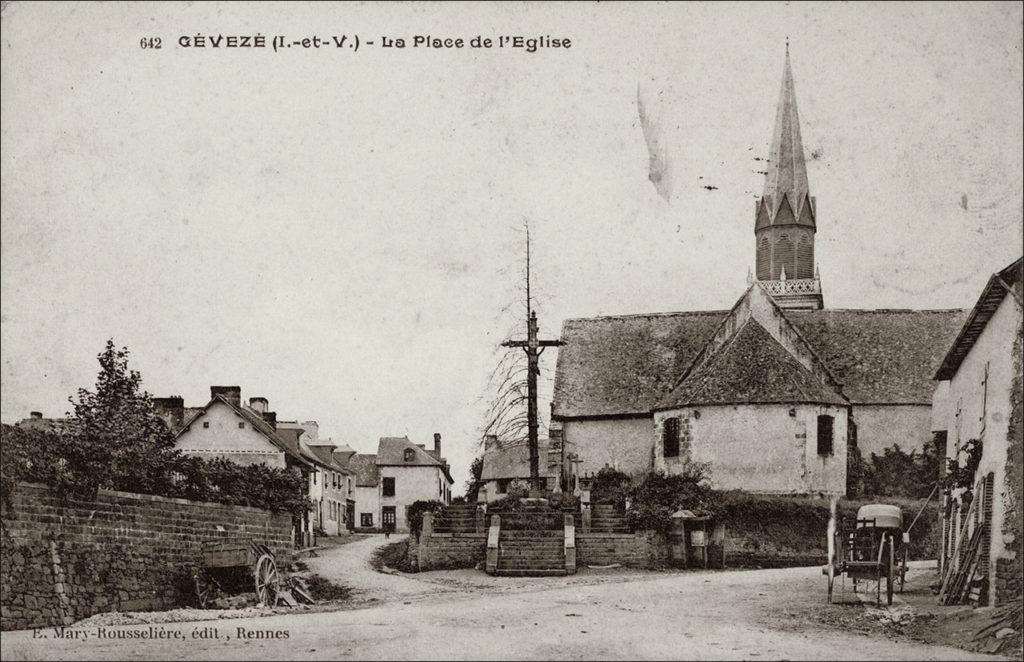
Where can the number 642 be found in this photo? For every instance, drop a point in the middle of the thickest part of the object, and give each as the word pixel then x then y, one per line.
pixel 149 42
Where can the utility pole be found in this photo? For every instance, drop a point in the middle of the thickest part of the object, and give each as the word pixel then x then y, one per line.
pixel 533 347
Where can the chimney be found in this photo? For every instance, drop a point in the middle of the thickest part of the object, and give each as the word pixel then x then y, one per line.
pixel 259 405
pixel 490 442
pixel 171 409
pixel 232 394
pixel 437 444
pixel 36 415
pixel 271 418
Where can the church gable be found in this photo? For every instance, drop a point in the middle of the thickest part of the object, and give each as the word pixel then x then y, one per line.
pixel 751 368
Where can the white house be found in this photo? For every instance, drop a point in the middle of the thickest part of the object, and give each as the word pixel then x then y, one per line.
pixel 978 399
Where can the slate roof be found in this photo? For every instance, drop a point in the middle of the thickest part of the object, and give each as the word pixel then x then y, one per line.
pixel 391 451
pixel 325 453
pixel 625 364
pixel 291 438
pixel 1007 281
pixel 513 461
pixel 751 368
pixel 365 468
pixel 881 356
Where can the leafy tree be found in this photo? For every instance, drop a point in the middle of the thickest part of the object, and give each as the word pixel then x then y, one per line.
pixel 610 486
pixel 120 443
pixel 475 482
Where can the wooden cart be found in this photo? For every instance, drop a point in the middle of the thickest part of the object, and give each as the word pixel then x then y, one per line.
pixel 230 558
pixel 870 548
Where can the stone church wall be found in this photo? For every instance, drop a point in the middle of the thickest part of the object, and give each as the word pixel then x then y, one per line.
pixel 623 443
pixel 760 448
pixel 881 426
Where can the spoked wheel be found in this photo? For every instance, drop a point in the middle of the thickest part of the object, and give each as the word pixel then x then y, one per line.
pixel 205 589
pixel 267 580
pixel 890 579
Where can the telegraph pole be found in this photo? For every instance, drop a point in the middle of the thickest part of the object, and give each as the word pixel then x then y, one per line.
pixel 533 347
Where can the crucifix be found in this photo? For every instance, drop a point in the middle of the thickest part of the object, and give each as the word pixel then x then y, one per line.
pixel 533 347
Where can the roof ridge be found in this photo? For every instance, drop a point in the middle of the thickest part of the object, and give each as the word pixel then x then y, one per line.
pixel 639 315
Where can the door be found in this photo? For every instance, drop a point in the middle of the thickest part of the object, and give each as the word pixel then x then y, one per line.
pixel 388 518
pixel 350 515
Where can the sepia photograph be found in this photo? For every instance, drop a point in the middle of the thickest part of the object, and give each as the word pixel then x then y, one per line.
pixel 511 330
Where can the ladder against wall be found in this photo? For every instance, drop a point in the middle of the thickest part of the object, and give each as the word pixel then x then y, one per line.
pixel 965 555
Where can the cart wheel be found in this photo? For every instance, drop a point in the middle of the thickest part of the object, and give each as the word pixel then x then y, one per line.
pixel 204 589
pixel 890 580
pixel 267 580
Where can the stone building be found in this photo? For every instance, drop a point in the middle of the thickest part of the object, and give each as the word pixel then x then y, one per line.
pixel 507 464
pixel 771 392
pixel 398 475
pixel 979 398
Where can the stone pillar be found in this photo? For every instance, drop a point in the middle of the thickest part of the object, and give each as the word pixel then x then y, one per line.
pixel 569 525
pixel 585 516
pixel 427 529
pixel 481 519
pixel 492 544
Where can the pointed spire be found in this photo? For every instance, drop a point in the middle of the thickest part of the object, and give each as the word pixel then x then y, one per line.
pixel 787 171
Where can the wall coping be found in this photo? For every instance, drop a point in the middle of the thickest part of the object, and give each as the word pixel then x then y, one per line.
pixel 152 498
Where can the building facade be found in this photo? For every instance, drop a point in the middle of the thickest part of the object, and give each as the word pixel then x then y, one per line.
pixel 978 404
pixel 840 378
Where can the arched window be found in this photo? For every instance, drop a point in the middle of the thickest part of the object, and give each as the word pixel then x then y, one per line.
pixel 785 256
pixel 764 259
pixel 805 257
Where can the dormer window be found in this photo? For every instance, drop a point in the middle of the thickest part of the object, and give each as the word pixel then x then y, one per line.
pixel 410 455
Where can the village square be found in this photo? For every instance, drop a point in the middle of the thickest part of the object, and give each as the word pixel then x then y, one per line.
pixel 720 439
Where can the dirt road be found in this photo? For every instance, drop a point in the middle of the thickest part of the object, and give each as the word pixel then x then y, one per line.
pixel 693 615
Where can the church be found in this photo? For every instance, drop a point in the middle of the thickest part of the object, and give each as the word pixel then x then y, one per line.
pixel 773 393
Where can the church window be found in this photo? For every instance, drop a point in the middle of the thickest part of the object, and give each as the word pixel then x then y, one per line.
pixel 764 260
pixel 410 455
pixel 805 258
pixel 206 424
pixel 824 435
pixel 241 425
pixel 785 257
pixel 670 437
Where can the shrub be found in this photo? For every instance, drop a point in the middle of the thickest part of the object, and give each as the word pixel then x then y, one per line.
pixel 653 501
pixel 414 514
pixel 610 486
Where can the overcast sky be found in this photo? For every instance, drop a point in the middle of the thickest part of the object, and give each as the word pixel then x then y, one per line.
pixel 340 231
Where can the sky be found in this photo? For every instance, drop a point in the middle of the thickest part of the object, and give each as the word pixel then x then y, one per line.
pixel 340 231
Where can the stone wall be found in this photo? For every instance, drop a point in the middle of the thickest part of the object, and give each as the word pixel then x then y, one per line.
pixel 64 561
pixel 637 550
pixel 442 551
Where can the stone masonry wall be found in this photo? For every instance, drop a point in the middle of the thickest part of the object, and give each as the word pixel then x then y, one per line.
pixel 64 561
pixel 637 550
pixel 442 551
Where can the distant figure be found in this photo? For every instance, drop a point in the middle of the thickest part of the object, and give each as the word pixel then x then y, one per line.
pixel 387 530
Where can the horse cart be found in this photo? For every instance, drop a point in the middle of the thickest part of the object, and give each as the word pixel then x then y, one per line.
pixel 234 562
pixel 871 548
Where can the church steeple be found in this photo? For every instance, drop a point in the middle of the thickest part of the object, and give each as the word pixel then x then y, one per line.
pixel 785 218
pixel 787 171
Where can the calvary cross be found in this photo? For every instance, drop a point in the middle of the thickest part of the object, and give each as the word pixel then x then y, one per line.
pixel 533 348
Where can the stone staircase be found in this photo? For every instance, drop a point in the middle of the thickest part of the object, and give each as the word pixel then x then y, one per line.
pixel 531 553
pixel 607 518
pixel 456 518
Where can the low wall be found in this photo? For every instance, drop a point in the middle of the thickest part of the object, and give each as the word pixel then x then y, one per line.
pixel 446 551
pixel 62 561
pixel 644 549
